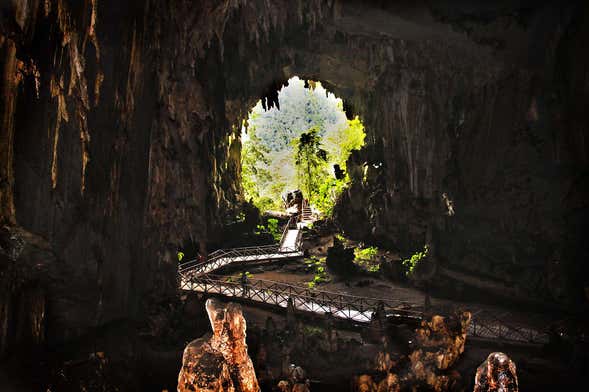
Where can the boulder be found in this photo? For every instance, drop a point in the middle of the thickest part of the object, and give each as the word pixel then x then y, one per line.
pixel 340 260
pixel 496 373
pixel 219 361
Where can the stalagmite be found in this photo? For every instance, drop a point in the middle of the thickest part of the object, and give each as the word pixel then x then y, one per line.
pixel 219 362
pixel 497 373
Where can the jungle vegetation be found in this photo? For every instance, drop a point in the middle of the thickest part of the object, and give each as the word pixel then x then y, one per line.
pixel 303 145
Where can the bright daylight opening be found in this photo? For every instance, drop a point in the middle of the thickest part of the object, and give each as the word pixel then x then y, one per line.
pixel 298 149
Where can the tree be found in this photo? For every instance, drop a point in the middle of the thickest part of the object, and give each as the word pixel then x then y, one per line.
pixel 269 166
pixel 340 142
pixel 310 160
pixel 255 175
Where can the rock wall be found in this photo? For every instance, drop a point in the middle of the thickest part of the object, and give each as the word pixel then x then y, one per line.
pixel 482 113
pixel 120 131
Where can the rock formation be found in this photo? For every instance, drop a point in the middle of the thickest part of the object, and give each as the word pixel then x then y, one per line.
pixel 496 374
pixel 442 339
pixel 434 348
pixel 219 361
pixel 440 342
pixel 119 126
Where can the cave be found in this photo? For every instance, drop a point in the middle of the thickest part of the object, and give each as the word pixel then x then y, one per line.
pixel 121 146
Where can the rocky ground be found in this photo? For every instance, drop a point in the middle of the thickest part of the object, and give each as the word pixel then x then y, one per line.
pixel 537 364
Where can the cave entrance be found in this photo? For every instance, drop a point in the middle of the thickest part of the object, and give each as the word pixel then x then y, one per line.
pixel 301 143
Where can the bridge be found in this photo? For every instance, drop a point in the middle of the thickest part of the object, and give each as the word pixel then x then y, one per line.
pixel 289 247
pixel 196 276
pixel 343 306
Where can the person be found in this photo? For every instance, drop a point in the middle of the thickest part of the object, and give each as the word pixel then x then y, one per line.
pixel 244 282
pixel 296 374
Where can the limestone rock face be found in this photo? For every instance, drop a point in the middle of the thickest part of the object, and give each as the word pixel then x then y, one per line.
pixel 441 341
pixel 435 346
pixel 219 362
pixel 496 373
pixel 443 338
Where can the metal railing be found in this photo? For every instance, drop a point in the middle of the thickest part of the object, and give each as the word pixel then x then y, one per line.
pixel 290 225
pixel 344 306
pixel 488 325
pixel 223 257
pixel 230 256
pixel 195 275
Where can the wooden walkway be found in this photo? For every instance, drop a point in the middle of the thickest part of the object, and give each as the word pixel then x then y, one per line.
pixel 343 306
pixel 196 276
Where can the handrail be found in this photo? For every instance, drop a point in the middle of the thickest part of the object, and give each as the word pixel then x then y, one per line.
pixel 292 220
pixel 342 305
pixel 219 253
pixel 487 324
pixel 196 264
pixel 194 275
pixel 294 286
pixel 243 252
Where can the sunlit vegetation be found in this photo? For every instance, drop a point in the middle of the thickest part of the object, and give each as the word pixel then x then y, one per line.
pixel 303 145
pixel 367 258
pixel 310 160
pixel 319 272
pixel 412 262
pixel 366 254
pixel 271 228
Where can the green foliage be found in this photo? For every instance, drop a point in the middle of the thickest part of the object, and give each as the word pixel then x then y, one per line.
pixel 319 271
pixel 272 146
pixel 366 257
pixel 340 142
pixel 255 174
pixel 412 262
pixel 274 229
pixel 310 161
pixel 180 256
pixel 365 253
pixel 271 227
pixel 327 193
pixel 313 332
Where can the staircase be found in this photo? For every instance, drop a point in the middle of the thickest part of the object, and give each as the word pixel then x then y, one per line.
pixel 306 212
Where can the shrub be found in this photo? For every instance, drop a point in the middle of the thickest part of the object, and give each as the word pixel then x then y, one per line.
pixel 272 228
pixel 319 271
pixel 411 263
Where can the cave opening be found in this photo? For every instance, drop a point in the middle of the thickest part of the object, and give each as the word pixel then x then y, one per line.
pixel 298 145
pixel 126 197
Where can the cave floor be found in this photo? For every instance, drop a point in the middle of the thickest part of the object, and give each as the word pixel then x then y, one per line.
pixel 535 364
pixel 374 285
